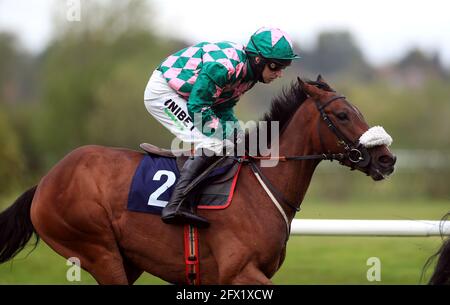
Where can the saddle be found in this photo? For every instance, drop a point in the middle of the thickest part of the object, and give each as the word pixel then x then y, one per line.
pixel 182 155
pixel 213 187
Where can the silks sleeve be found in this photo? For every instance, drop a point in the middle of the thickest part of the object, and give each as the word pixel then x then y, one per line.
pixel 225 113
pixel 207 88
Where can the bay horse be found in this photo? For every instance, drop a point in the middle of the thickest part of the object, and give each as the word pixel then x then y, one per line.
pixel 79 207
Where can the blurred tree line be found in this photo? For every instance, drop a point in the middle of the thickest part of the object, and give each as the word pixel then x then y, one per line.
pixel 87 87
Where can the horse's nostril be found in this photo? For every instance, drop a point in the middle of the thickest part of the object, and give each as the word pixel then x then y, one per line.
pixel 387 160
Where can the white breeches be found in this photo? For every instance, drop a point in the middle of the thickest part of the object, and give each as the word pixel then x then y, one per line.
pixel 170 109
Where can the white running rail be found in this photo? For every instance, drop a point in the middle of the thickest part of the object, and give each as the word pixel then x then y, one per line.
pixel 350 227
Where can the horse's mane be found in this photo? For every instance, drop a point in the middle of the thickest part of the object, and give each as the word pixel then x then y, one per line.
pixel 286 104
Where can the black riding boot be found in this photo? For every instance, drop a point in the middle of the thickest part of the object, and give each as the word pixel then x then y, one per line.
pixel 178 210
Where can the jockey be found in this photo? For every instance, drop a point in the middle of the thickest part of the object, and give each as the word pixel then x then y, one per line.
pixel 192 93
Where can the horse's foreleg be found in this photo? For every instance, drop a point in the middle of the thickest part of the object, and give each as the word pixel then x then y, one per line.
pixel 110 271
pixel 132 272
pixel 249 275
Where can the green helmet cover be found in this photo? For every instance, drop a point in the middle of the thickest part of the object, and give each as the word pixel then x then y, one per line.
pixel 271 43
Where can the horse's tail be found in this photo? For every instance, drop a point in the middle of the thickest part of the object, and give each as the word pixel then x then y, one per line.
pixel 16 228
pixel 441 273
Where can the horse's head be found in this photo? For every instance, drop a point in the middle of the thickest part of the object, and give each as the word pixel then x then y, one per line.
pixel 341 128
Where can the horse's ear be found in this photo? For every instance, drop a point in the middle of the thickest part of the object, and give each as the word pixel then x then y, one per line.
pixel 321 79
pixel 310 90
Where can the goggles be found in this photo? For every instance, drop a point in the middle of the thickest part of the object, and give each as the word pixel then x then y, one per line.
pixel 273 66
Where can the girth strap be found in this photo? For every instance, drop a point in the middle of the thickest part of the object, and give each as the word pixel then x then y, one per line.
pixel 191 256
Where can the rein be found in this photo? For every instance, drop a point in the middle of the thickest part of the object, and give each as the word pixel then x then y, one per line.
pixel 357 154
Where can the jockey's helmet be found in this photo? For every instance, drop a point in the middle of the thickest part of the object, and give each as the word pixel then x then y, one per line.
pixel 271 43
pixel 273 46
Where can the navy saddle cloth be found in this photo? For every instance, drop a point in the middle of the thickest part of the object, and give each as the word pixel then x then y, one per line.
pixel 156 176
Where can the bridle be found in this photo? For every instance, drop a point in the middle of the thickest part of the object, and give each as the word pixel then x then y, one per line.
pixel 356 153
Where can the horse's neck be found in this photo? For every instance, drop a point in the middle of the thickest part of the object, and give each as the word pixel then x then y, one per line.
pixel 292 178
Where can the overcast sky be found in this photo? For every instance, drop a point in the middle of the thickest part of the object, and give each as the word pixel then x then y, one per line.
pixel 384 29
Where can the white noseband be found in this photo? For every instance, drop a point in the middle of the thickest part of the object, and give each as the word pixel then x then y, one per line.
pixel 375 136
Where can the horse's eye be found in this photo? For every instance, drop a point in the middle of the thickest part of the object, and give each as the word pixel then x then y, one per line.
pixel 342 116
